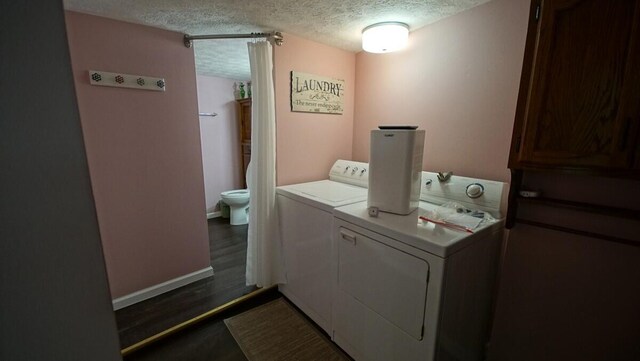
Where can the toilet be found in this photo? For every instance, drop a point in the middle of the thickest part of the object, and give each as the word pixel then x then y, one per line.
pixel 238 201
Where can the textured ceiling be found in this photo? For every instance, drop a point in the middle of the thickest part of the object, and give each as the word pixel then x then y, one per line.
pixel 337 23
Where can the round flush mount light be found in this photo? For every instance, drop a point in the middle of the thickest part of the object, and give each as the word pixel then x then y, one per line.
pixel 385 37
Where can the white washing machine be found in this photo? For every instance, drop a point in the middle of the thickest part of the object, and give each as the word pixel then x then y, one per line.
pixel 306 220
pixel 409 290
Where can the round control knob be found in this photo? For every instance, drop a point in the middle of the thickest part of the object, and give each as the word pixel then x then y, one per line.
pixel 475 190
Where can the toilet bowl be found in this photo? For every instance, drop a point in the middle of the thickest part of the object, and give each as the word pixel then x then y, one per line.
pixel 238 201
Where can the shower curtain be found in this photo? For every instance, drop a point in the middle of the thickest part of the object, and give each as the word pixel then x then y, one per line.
pixel 264 261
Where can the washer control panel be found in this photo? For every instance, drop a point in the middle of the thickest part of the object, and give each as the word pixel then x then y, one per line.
pixel 350 172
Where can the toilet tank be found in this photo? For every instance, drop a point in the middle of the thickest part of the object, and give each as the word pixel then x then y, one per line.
pixel 395 169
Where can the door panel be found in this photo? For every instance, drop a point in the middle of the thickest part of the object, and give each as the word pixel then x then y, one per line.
pixel 387 281
pixel 579 113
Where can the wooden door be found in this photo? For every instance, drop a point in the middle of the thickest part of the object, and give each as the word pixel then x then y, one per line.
pixel 579 99
pixel 244 121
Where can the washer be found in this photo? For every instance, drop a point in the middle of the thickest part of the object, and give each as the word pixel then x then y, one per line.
pixel 306 220
pixel 409 290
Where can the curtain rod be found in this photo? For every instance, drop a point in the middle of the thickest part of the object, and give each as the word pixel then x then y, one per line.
pixel 276 36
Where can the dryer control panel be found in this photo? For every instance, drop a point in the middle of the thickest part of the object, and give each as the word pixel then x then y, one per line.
pixel 350 172
pixel 472 193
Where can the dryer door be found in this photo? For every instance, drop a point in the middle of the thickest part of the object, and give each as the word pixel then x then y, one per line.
pixel 389 282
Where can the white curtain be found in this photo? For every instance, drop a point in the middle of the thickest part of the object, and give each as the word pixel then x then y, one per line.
pixel 264 261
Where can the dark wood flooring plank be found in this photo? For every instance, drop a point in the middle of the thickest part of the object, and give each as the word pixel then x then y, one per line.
pixel 208 341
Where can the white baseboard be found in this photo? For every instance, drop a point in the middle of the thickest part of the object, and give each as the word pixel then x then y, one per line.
pixel 161 288
pixel 213 214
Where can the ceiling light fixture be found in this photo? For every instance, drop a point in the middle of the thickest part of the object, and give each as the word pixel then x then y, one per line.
pixel 385 37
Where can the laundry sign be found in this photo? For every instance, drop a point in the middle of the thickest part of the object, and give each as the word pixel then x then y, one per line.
pixel 316 94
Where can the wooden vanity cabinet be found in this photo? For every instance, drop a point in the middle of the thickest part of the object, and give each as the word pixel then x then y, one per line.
pixel 578 108
pixel 244 121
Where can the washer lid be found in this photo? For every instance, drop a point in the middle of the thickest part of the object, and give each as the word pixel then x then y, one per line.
pixel 435 239
pixel 325 192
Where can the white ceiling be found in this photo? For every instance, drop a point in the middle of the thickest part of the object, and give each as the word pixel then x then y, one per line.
pixel 338 23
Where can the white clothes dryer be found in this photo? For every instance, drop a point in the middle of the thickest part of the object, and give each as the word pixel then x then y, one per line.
pixel 305 220
pixel 406 289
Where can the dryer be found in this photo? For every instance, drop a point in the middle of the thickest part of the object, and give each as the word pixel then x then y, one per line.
pixel 305 220
pixel 409 290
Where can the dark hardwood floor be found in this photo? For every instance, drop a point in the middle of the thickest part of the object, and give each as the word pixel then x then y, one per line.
pixel 210 339
pixel 207 341
pixel 228 251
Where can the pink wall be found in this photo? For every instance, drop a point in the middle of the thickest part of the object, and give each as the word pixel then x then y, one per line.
pixel 143 150
pixel 220 139
pixel 308 144
pixel 458 79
